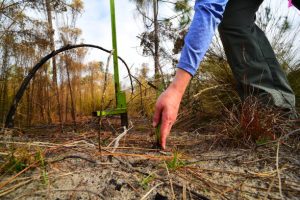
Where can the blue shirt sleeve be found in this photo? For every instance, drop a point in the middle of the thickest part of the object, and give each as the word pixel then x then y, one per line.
pixel 208 15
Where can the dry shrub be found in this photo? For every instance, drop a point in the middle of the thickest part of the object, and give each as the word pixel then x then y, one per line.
pixel 212 88
pixel 253 123
pixel 294 80
pixel 142 101
pixel 18 159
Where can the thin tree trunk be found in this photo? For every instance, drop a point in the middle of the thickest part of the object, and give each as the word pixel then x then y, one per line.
pixel 48 103
pixel 66 109
pixel 80 100
pixel 39 98
pixel 4 97
pixel 31 108
pixel 4 84
pixel 156 39
pixel 92 89
pixel 29 104
pixel 52 46
pixel 158 74
pixel 62 92
pixel 71 94
pixel 28 93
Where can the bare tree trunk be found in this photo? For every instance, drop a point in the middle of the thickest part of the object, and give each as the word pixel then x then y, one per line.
pixel 28 92
pixel 48 103
pixel 66 108
pixel 29 96
pixel 71 94
pixel 158 74
pixel 80 100
pixel 92 89
pixel 31 107
pixel 4 83
pixel 39 98
pixel 4 97
pixel 156 39
pixel 62 92
pixel 52 46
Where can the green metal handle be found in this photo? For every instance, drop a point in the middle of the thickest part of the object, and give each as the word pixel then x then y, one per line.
pixel 114 44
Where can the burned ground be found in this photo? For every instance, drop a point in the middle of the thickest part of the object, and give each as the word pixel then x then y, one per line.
pixel 195 166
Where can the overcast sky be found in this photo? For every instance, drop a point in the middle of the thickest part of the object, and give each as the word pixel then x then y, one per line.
pixel 96 29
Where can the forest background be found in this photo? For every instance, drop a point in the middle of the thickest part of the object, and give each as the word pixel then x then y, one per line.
pixel 70 87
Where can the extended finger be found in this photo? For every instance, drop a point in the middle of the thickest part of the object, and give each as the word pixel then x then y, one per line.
pixel 165 131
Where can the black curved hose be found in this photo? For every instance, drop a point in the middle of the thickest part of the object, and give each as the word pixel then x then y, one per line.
pixel 9 122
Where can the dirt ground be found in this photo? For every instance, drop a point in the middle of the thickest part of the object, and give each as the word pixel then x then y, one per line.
pixel 193 167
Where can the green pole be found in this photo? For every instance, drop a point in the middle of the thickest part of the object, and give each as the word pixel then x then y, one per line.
pixel 114 44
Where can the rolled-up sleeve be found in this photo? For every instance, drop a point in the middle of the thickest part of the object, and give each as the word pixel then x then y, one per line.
pixel 208 15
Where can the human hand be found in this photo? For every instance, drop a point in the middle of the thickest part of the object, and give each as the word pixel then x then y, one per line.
pixel 166 110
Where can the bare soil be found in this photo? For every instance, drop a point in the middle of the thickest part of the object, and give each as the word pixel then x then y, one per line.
pixel 194 166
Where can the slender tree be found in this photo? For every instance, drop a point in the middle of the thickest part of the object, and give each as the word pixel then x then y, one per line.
pixel 54 68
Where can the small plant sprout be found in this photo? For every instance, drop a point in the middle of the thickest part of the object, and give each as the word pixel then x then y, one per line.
pixel 175 162
pixel 147 180
pixel 44 176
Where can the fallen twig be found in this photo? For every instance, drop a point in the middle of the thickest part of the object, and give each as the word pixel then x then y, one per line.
pixel 269 189
pixel 149 192
pixel 117 139
pixel 171 185
pixel 13 188
pixel 18 174
pixel 278 171
pixel 73 156
pixel 137 155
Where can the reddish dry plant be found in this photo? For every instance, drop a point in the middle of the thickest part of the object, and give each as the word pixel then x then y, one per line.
pixel 252 122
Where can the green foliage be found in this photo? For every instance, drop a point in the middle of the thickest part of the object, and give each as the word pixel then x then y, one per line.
pixel 14 165
pixel 176 162
pixel 44 176
pixel 261 141
pixel 18 160
pixel 146 181
pixel 22 157
pixel 183 7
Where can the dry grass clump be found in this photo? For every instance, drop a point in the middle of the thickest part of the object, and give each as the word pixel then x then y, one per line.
pixel 254 123
pixel 293 77
pixel 16 160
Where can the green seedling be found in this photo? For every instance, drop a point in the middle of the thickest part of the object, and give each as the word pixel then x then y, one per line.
pixel 14 165
pixel 18 160
pixel 145 181
pixel 44 175
pixel 175 163
pixel 261 141
pixel 105 141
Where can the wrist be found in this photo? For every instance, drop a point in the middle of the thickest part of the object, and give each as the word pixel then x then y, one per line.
pixel 180 82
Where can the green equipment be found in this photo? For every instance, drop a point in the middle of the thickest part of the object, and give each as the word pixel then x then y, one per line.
pixel 121 107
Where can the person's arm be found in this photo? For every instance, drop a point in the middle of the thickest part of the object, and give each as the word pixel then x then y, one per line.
pixel 208 14
pixel 167 105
